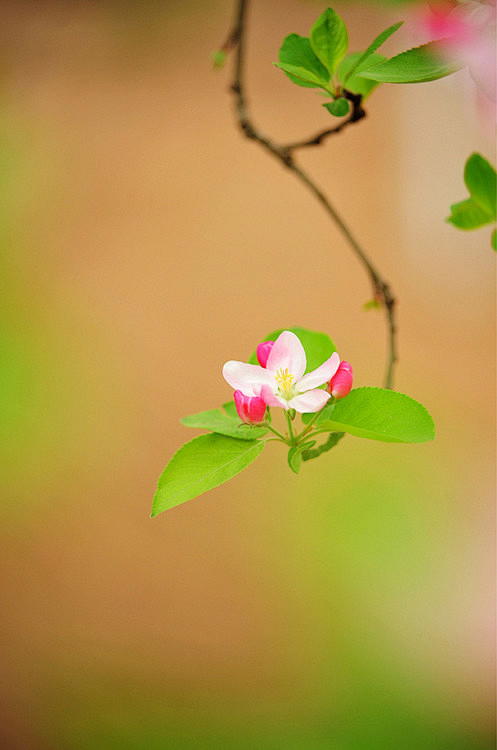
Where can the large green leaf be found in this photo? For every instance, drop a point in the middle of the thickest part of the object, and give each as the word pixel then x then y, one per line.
pixel 303 75
pixel 380 414
pixel 329 39
pixel 318 346
pixel 200 465
pixel 468 215
pixel 352 82
pixel 296 50
pixel 481 180
pixel 223 424
pixel 365 58
pixel 417 65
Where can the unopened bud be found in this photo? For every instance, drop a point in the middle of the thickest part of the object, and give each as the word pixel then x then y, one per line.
pixel 263 351
pixel 340 384
pixel 251 409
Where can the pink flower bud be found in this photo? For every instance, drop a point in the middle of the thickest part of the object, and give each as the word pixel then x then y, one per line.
pixel 263 352
pixel 340 384
pixel 251 409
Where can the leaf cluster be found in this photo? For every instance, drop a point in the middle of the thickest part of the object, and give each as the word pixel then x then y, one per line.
pixel 321 61
pixel 230 446
pixel 480 208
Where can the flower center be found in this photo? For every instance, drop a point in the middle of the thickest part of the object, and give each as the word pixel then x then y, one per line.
pixel 284 380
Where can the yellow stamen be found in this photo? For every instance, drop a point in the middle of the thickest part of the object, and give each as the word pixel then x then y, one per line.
pixel 284 380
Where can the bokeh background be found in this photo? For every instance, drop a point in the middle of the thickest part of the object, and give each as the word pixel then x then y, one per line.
pixel 144 242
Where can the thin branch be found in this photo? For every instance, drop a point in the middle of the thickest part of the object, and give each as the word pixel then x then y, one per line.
pixel 381 289
pixel 358 113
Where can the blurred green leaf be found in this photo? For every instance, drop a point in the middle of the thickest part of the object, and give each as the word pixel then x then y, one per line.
pixel 366 57
pixel 329 39
pixel 296 50
pixel 380 414
pixel 468 215
pixel 200 465
pixel 216 421
pixel 417 65
pixel 481 180
pixel 318 346
pixel 339 108
pixel 333 439
pixel 352 82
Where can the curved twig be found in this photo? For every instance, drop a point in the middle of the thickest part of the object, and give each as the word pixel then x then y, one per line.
pixel 284 153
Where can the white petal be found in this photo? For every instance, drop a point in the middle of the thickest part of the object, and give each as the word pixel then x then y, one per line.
pixel 287 352
pixel 246 378
pixel 310 401
pixel 269 397
pixel 320 375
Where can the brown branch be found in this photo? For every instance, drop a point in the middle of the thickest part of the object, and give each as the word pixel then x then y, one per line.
pixel 284 153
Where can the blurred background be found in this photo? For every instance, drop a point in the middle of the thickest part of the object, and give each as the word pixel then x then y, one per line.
pixel 144 242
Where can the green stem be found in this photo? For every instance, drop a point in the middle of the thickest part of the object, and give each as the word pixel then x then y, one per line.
pixel 269 427
pixel 290 428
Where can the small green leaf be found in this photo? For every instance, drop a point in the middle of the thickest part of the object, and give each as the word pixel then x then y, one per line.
pixel 295 455
pixel 333 439
pixel 200 465
pixel 302 75
pixel 218 59
pixel 417 65
pixel 468 215
pixel 216 421
pixel 329 39
pixel 296 50
pixel 318 347
pixel 372 304
pixel 493 240
pixel 380 414
pixel 362 59
pixel 481 180
pixel 352 82
pixel 339 108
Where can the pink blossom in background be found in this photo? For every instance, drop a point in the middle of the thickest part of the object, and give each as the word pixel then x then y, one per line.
pixel 467 36
pixel 282 382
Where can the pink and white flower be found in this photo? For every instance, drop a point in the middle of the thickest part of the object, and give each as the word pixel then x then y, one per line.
pixel 250 409
pixel 282 381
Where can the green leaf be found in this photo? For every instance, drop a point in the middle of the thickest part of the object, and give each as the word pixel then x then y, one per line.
pixel 481 180
pixel 295 455
pixel 352 82
pixel 333 439
pixel 493 240
pixel 318 346
pixel 200 465
pixel 363 59
pixel 230 409
pixel 468 215
pixel 302 74
pixel 380 414
pixel 417 65
pixel 296 50
pixel 223 424
pixel 339 108
pixel 329 39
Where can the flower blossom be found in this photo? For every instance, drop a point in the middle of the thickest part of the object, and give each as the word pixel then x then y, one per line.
pixel 340 384
pixel 282 381
pixel 465 33
pixel 250 409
